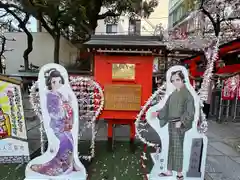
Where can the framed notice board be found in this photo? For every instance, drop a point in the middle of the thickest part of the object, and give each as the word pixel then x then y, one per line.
pixel 122 97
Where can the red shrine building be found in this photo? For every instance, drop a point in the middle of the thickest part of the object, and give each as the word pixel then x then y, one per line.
pixel 225 97
pixel 123 66
pixel 228 63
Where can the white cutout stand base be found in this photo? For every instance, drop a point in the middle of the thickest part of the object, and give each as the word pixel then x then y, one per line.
pixel 174 177
pixel 71 176
pixel 57 178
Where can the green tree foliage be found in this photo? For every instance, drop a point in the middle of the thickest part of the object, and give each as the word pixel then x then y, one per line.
pixel 77 19
pixel 114 8
pixel 59 17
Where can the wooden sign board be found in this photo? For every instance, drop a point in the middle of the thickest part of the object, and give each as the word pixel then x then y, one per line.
pixel 195 158
pixel 122 97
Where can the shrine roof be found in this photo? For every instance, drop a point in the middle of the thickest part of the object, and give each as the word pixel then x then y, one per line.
pixel 229 48
pixel 122 41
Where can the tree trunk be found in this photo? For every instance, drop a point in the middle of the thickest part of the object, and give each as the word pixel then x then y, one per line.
pixel 93 15
pixel 28 50
pixel 218 25
pixel 22 25
pixel 1 66
pixel 56 47
pixel 2 51
pixel 93 25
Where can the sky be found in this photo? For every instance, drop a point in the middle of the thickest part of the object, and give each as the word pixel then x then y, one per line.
pixel 33 24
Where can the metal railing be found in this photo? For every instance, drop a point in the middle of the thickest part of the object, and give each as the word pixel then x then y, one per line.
pixel 224 110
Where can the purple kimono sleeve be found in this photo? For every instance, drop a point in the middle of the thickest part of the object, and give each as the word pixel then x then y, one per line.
pixel 53 107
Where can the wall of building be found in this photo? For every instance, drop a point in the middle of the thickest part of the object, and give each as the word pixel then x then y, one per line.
pixel 160 15
pixel 173 4
pixel 43 47
pixel 176 12
pixel 122 25
pixel 146 26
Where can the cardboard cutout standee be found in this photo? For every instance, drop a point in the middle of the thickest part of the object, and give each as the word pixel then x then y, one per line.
pixel 175 119
pixel 59 109
pixel 90 102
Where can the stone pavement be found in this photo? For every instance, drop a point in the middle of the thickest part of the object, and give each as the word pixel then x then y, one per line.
pixel 223 160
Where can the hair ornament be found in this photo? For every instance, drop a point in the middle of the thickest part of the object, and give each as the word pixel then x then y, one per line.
pixel 47 73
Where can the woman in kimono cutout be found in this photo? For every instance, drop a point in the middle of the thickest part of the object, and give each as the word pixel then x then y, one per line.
pixel 61 115
pixel 178 112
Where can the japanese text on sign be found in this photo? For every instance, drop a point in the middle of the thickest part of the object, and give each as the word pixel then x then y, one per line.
pixel 123 97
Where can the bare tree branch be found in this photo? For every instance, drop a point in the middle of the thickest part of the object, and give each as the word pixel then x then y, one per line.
pixel 3 43
pixel 9 5
pixel 209 16
pixel 4 15
pixel 16 11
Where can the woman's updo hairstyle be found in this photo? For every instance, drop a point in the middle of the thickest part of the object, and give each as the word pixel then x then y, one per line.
pixel 52 73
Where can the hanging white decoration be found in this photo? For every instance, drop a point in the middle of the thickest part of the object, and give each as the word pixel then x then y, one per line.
pixel 141 126
pixel 212 56
pixel 93 110
pixel 35 102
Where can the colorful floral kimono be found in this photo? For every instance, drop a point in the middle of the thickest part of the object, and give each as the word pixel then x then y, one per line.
pixel 61 114
pixel 5 125
pixel 179 107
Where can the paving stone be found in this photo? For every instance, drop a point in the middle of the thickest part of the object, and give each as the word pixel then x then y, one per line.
pixel 225 165
pixel 216 176
pixel 213 137
pixel 210 168
pixel 212 151
pixel 225 149
pixel 237 159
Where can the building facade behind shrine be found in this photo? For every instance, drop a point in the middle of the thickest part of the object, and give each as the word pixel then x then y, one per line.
pixel 177 14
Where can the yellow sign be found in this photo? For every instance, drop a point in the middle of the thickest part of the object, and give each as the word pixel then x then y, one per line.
pixel 123 71
pixel 12 122
pixel 122 97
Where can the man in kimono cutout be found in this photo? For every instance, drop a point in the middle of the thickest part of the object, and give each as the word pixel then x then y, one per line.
pixel 178 112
